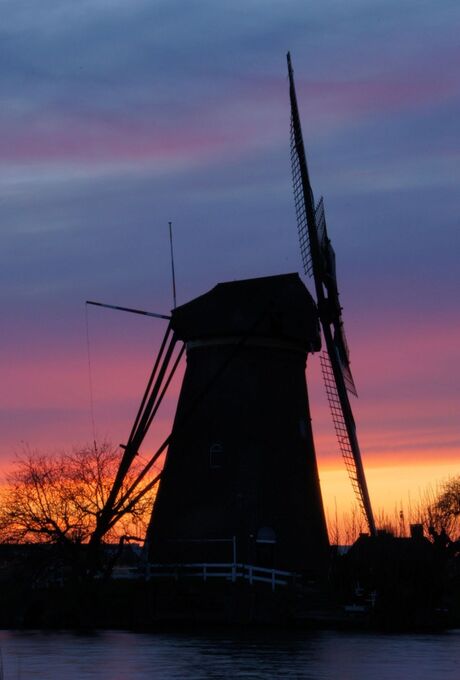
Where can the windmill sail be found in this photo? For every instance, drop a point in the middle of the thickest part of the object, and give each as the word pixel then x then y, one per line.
pixel 299 199
pixel 318 259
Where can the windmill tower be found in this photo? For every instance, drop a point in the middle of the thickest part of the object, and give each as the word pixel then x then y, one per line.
pixel 240 481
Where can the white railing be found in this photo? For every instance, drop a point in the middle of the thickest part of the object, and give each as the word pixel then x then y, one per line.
pixel 228 571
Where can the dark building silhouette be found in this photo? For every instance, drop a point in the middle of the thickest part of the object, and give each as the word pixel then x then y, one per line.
pixel 240 482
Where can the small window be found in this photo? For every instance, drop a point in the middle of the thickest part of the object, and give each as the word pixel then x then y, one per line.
pixel 216 456
pixel 266 535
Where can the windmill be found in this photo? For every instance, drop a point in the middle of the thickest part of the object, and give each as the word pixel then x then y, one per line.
pixel 240 484
pixel 318 260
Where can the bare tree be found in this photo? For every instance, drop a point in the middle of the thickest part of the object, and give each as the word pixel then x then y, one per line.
pixel 57 498
pixel 442 514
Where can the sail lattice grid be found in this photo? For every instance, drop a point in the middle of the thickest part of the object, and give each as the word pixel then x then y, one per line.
pixel 299 204
pixel 340 427
pixel 320 220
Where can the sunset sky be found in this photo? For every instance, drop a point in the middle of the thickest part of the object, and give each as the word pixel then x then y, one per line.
pixel 119 116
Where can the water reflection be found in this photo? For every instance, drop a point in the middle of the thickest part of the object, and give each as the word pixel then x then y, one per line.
pixel 251 655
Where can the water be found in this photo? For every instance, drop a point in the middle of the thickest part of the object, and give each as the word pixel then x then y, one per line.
pixel 113 655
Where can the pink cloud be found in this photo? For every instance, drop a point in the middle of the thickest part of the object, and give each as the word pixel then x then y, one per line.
pixel 394 94
pixel 53 136
pixel 107 141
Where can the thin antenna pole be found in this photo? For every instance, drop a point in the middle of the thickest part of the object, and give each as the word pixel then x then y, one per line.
pixel 172 264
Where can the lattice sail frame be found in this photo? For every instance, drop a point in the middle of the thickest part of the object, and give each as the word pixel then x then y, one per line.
pixel 319 262
pixel 340 427
pixel 299 204
pixel 324 245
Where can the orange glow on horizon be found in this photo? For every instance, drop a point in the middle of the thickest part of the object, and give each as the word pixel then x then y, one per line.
pixel 392 488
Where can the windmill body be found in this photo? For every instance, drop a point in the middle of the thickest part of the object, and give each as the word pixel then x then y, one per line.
pixel 240 481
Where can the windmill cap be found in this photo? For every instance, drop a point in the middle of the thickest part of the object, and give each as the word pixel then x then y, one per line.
pixel 278 307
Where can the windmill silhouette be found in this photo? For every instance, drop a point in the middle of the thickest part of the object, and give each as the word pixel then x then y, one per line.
pixel 239 494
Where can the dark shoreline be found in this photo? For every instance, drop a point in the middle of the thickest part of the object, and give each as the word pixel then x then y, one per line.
pixel 142 606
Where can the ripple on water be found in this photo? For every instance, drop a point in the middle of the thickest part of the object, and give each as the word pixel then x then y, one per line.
pixel 251 655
